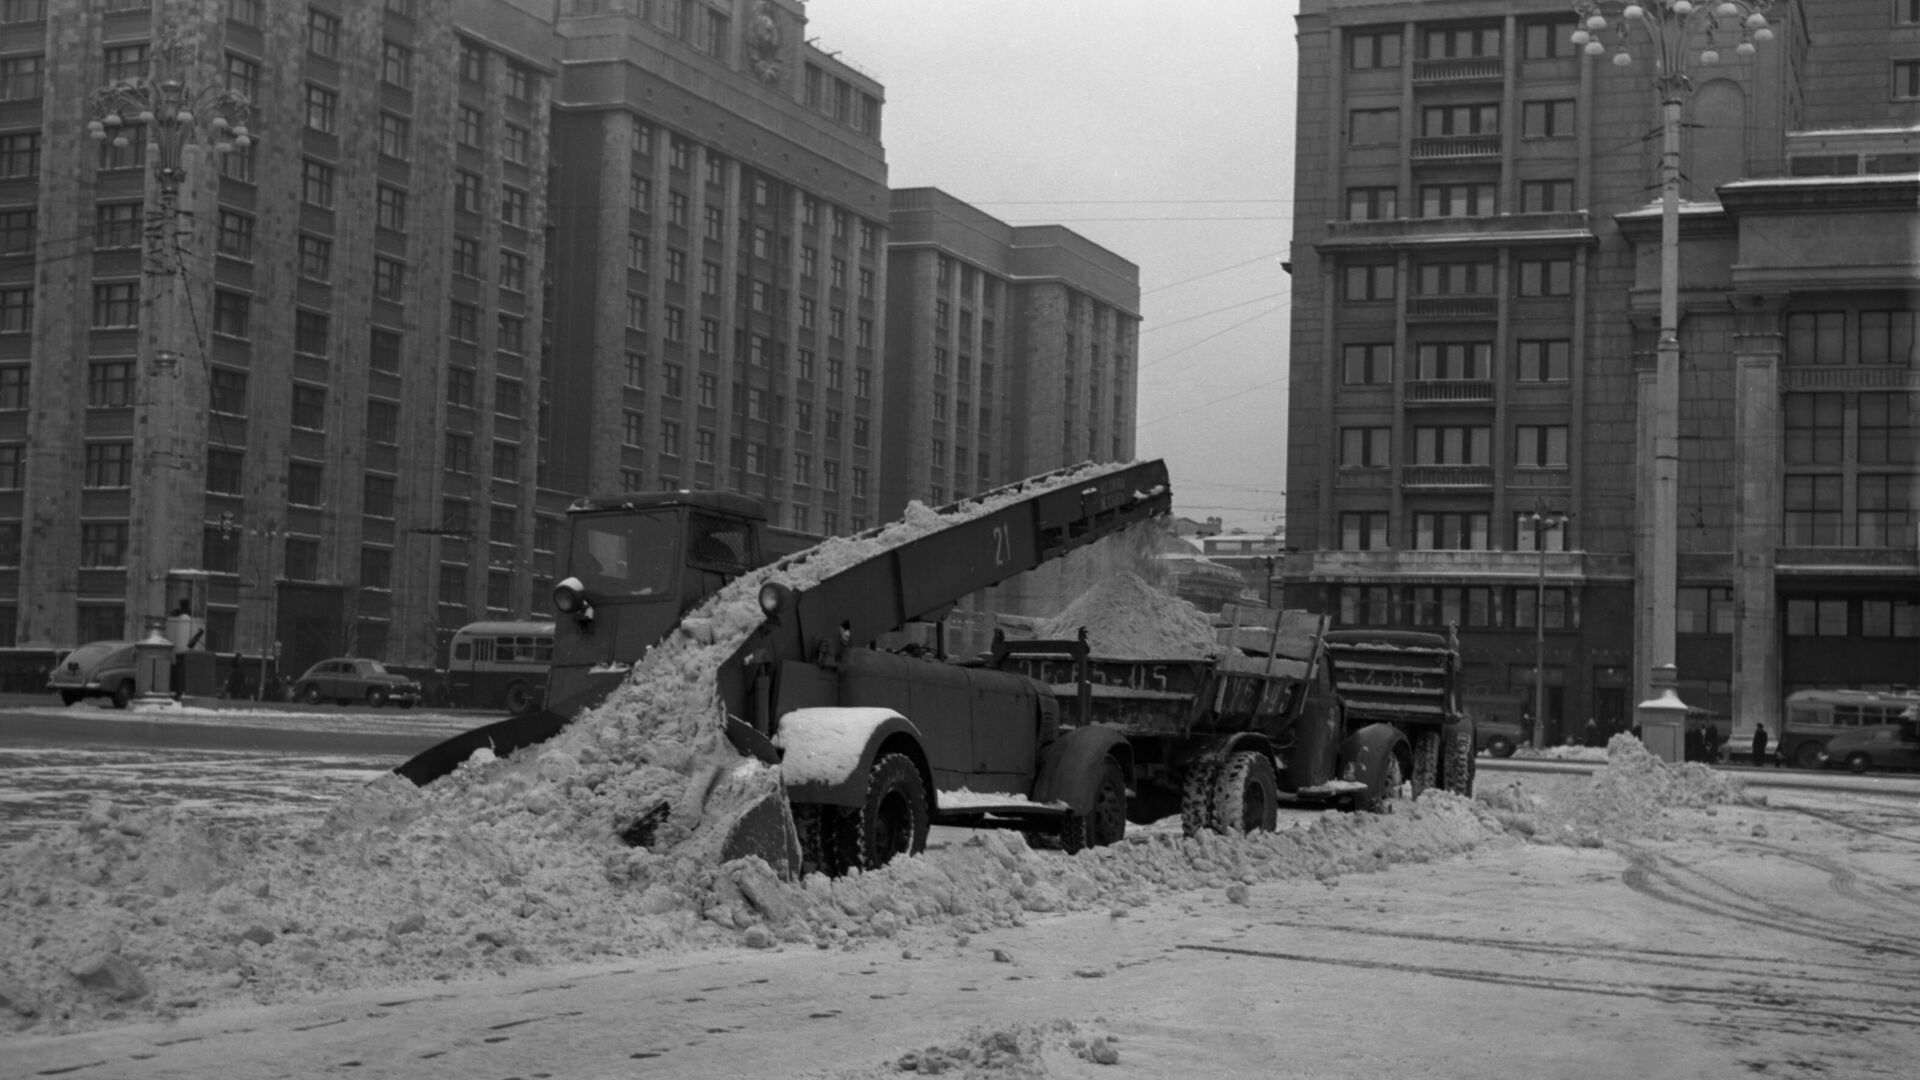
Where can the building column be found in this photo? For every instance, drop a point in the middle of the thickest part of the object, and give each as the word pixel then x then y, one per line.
pixel 1757 347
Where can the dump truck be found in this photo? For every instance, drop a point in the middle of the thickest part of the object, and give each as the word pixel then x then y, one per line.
pixel 1287 712
pixel 875 745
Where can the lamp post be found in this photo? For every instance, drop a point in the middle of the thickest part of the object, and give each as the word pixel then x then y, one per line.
pixel 174 118
pixel 1544 521
pixel 1681 37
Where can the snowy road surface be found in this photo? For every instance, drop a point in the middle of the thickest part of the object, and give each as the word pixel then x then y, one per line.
pixel 1771 941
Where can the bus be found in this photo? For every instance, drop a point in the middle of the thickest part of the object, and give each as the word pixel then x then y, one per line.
pixel 499 665
pixel 1814 716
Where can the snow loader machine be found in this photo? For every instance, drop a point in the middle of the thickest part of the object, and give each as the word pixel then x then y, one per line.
pixel 1287 712
pixel 874 745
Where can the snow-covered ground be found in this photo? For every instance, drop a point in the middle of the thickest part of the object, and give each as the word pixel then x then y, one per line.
pixel 1645 921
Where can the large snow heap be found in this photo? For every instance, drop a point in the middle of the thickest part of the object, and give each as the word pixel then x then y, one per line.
pixel 1126 618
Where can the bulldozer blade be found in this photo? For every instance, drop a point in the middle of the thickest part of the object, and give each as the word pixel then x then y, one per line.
pixel 765 829
pixel 749 741
pixel 503 737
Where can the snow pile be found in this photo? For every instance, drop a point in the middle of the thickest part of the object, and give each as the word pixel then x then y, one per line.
pixel 1011 1052
pixel 1632 798
pixel 129 916
pixel 1127 618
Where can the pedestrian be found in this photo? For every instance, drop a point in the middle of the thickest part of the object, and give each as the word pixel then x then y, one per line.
pixel 1759 744
pixel 1713 744
pixel 1592 733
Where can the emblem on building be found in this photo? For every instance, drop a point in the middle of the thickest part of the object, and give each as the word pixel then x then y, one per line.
pixel 763 44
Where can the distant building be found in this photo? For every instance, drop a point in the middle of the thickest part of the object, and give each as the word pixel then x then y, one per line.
pixel 1476 282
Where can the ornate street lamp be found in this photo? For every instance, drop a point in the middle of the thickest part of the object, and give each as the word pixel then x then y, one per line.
pixel 1543 521
pixel 178 120
pixel 1681 37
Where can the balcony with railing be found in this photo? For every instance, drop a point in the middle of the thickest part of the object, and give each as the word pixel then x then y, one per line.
pixel 1824 543
pixel 1453 307
pixel 1377 478
pixel 1452 477
pixel 1449 391
pixel 1562 227
pixel 1541 476
pixel 1490 567
pixel 1456 147
pixel 1459 70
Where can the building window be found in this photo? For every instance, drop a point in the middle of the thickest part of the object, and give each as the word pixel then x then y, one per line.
pixel 1366 365
pixel 460 386
pixel 1546 196
pixel 1554 615
pixel 116 303
pixel 124 63
pixel 1369 282
pixel 1456 200
pixel 306 483
pixel 513 206
pixel 396 64
pixel 473 62
pixel 1883 516
pixel 459 452
pixel 463 323
pixel 20 154
pixel 309 407
pixel 108 465
pixel 1906 12
pixel 520 83
pixel 390 210
pixel 1887 337
pixel 1815 617
pixel 383 422
pixel 1371 49
pixel 513 271
pixel 1543 361
pixel 1372 203
pixel 316 258
pixel 1890 618
pixel 1450 532
pixel 1540 446
pixel 16 310
pixel 1454 360
pixel 1440 121
pixel 323 108
pixel 1363 531
pixel 1548 39
pixel 311 332
pixel 1816 426
pixel 466 192
pixel 376 498
pixel 1373 127
pixel 519 144
pixel 316 183
pixel 1813 506
pixel 1817 337
pixel 506 461
pixel 109 384
pixel 1364 605
pixel 1456 279
pixel 232 314
pixel 1546 119
pixel 104 544
pixel 227 391
pixel 1906 80
pixel 1452 445
pixel 126 151
pixel 1886 429
pixel 709 390
pixel 323 33
pixel 669 437
pixel 1457 42
pixel 703 446
pixel 383 353
pixel 466 257
pixel 21 77
pixel 396 137
pixel 1365 447
pixel 672 380
pixel 510 333
pixel 226 471
pixel 389 279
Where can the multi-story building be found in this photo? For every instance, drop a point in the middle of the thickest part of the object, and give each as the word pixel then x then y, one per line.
pixel 1011 350
pixel 720 222
pixel 1477 277
pixel 480 257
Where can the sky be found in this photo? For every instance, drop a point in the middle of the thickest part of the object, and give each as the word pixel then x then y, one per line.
pixel 1163 132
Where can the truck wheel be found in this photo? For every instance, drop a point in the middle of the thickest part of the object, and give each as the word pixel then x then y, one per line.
pixel 1426 761
pixel 893 821
pixel 1381 802
pixel 1196 798
pixel 1246 797
pixel 1106 821
pixel 519 698
pixel 1457 773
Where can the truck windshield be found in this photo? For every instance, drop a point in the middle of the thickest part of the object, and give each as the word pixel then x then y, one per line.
pixel 626 555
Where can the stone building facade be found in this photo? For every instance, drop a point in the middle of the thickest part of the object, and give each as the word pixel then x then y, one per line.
pixel 1476 295
pixel 340 402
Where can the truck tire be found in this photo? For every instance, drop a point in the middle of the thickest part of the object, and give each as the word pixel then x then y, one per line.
pixel 1246 797
pixel 519 698
pixel 1426 761
pixel 1106 821
pixel 1459 767
pixel 1389 793
pixel 1196 798
pixel 893 820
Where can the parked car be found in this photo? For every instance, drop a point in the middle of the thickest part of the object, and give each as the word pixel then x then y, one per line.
pixel 1497 736
pixel 1881 746
pixel 349 679
pixel 97 669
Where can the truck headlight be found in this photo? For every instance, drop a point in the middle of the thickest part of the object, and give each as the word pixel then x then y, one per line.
pixel 570 598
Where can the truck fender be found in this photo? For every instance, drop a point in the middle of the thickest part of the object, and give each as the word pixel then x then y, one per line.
pixel 827 752
pixel 1221 747
pixel 1366 751
pixel 1070 766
